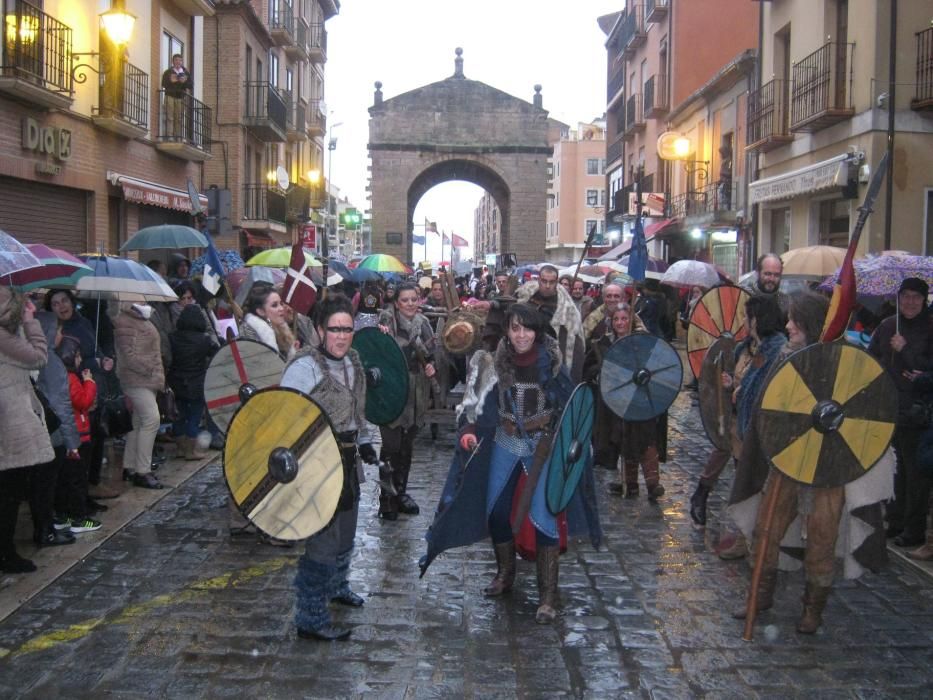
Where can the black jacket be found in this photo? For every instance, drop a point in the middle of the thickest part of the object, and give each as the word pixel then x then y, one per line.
pixel 177 89
pixel 192 349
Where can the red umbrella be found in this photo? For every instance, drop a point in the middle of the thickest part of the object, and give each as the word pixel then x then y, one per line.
pixel 59 269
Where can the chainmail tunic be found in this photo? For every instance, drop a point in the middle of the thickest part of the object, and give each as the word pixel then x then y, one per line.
pixel 527 398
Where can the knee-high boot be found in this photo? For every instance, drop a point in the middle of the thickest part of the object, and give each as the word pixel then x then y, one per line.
pixel 312 618
pixel 340 585
pixel 505 570
pixel 388 498
pixel 651 467
pixel 630 477
pixel 814 600
pixel 765 598
pixel 547 564
pixel 400 471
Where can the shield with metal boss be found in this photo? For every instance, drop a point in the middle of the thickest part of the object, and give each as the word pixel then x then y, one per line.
pixel 827 414
pixel 386 375
pixel 719 312
pixel 282 464
pixel 716 401
pixel 640 376
pixel 570 448
pixel 236 372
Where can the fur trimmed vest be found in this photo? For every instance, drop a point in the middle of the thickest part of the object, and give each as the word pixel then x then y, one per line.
pixel 343 405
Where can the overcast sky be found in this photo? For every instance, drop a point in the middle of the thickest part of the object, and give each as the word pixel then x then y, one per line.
pixel 509 44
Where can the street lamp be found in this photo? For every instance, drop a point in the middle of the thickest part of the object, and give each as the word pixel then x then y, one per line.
pixel 117 24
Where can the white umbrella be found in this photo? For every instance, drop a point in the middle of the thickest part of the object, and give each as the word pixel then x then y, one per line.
pixel 122 279
pixel 690 273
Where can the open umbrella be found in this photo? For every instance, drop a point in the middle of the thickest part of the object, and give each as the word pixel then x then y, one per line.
pixel 690 273
pixel 165 236
pixel 381 262
pixel 230 259
pixel 812 262
pixel 653 270
pixel 351 274
pixel 122 279
pixel 59 269
pixel 14 256
pixel 882 275
pixel 279 257
pixel 788 285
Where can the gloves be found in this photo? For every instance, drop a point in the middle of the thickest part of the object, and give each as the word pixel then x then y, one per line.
pixel 368 454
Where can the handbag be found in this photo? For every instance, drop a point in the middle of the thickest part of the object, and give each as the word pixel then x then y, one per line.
pixel 52 421
pixel 168 410
pixel 113 414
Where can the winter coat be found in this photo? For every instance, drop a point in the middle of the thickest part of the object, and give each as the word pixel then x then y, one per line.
pixel 139 360
pixel 83 394
pixel 24 439
pixel 192 349
pixel 82 330
pixel 916 355
pixel 53 382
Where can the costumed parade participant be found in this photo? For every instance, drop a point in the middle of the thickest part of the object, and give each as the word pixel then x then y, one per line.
pixel 511 404
pixel 333 376
pixel 265 320
pixel 412 331
pixel 635 441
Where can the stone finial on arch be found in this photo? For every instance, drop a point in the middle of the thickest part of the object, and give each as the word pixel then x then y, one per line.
pixel 377 95
pixel 458 63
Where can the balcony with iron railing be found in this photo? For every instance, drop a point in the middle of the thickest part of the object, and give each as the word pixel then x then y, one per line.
pixel 264 204
pixel 282 22
pixel 656 10
pixel 298 51
pixel 265 113
pixel 317 119
pixel 123 100
pixel 821 94
pixel 298 204
pixel 35 57
pixel 614 151
pixel 317 44
pixel 923 92
pixel 634 116
pixel 615 85
pixel 656 103
pixel 184 127
pixel 296 125
pixel 768 125
pixel 632 33
pixel 714 203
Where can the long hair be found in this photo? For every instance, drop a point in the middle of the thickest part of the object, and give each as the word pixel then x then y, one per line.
pixel 11 309
pixel 257 296
pixel 808 312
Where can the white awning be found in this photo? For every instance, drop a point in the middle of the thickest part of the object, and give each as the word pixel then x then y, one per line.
pixel 812 178
pixel 152 193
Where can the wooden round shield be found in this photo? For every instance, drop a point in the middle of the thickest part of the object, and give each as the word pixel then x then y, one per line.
pixel 238 364
pixel 282 464
pixel 827 414
pixel 640 376
pixel 570 448
pixel 716 402
pixel 387 375
pixel 721 311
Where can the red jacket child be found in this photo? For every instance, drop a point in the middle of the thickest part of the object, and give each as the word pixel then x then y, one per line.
pixel 83 393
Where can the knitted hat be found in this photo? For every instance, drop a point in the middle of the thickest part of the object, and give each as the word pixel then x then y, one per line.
pixel 915 284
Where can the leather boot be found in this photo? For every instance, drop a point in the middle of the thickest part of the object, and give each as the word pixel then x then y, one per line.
pixel 547 563
pixel 630 477
pixel 505 570
pixel 698 504
pixel 765 595
pixel 406 504
pixel 388 500
pixel 814 600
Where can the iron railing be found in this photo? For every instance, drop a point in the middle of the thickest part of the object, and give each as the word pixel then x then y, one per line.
pixel 655 5
pixel 924 90
pixel 263 102
pixel 614 151
pixel 282 16
pixel 767 112
pixel 633 27
pixel 634 116
pixel 38 47
pixel 302 33
pixel 711 198
pixel 185 119
pixel 318 38
pixel 262 203
pixel 124 95
pixel 822 82
pixel 655 95
pixel 316 117
pixel 616 83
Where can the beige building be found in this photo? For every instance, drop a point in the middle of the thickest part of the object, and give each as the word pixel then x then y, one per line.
pixel 486 227
pixel 577 198
pixel 819 124
pixel 264 75
pixel 89 151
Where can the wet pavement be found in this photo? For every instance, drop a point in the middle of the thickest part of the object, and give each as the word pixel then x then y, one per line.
pixel 170 606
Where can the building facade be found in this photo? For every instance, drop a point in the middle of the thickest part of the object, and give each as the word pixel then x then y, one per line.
pixel 819 122
pixel 90 150
pixel 576 202
pixel 264 75
pixel 486 227
pixel 675 66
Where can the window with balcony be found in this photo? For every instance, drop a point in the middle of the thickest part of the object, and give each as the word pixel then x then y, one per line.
pixel 35 55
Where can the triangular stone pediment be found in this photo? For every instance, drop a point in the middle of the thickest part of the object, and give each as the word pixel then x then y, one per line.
pixel 458 95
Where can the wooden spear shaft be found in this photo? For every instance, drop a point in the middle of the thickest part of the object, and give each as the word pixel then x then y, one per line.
pixel 761 547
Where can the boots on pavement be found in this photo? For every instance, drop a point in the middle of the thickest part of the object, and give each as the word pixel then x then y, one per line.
pixel 547 564
pixel 505 571
pixel 765 596
pixel 698 504
pixel 814 600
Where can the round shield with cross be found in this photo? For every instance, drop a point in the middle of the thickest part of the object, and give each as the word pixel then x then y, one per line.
pixel 721 311
pixel 640 376
pixel 239 368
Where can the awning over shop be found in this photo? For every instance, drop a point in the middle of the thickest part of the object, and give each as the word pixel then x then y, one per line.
pixel 259 239
pixel 651 230
pixel 152 193
pixel 812 178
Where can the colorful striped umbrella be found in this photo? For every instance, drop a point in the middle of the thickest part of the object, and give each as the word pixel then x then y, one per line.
pixel 381 262
pixel 59 269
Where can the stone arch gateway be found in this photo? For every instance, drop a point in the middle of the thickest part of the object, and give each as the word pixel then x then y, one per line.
pixel 459 129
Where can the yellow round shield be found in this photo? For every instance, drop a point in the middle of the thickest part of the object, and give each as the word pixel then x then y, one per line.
pixel 282 464
pixel 827 414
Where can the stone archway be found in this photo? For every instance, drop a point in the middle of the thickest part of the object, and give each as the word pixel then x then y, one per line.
pixel 460 129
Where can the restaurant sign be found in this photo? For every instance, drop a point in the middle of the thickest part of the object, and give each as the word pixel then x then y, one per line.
pixel 813 178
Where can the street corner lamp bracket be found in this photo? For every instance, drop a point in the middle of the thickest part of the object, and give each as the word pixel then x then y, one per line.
pixel 698 168
pixel 117 24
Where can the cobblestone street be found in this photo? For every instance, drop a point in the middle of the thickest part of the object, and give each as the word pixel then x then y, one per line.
pixel 170 606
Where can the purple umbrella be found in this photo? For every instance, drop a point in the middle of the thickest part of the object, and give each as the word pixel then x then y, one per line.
pixel 882 275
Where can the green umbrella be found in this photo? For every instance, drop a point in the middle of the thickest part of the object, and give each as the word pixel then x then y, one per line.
pixel 279 257
pixel 165 236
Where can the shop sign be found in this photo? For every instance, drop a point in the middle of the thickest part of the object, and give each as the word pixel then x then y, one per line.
pixel 813 178
pixel 309 237
pixel 46 140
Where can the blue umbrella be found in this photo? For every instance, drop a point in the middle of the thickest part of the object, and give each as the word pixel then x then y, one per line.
pixel 172 236
pixel 230 259
pixel 353 274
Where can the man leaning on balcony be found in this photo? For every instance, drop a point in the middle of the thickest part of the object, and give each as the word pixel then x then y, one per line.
pixel 176 82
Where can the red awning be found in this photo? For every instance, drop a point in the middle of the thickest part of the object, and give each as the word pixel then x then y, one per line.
pixel 152 193
pixel 651 230
pixel 259 239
